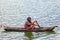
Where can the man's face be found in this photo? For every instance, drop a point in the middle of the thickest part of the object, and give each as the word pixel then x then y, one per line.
pixel 29 18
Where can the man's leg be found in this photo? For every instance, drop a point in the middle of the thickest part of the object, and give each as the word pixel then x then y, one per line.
pixel 33 26
pixel 28 28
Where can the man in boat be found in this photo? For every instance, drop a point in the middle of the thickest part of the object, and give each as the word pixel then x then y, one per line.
pixel 29 24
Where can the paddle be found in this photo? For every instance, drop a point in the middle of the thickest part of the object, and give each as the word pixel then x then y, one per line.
pixel 38 24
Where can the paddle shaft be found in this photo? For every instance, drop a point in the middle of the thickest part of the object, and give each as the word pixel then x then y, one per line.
pixel 38 24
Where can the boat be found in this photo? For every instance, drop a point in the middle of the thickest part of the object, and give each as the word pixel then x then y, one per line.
pixel 18 29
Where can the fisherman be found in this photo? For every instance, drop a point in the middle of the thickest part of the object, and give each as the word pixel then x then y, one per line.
pixel 29 24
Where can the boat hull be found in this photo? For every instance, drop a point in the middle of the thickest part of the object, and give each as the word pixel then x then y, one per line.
pixel 41 29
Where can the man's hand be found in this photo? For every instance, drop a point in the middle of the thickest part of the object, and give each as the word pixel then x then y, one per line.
pixel 35 21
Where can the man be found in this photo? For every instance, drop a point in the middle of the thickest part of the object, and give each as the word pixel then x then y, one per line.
pixel 29 24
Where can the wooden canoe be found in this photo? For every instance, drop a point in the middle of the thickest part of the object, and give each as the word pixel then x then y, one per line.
pixel 17 29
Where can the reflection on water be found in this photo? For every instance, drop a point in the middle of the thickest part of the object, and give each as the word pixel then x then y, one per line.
pixel 31 36
pixel 50 32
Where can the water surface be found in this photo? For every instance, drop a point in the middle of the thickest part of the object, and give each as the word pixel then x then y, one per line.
pixel 14 13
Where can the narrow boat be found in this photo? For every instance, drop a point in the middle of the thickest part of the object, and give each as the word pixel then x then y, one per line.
pixel 18 29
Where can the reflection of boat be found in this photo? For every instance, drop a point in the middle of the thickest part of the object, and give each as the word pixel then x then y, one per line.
pixel 24 30
pixel 50 32
pixel 28 35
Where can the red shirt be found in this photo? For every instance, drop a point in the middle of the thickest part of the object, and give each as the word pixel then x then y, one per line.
pixel 27 24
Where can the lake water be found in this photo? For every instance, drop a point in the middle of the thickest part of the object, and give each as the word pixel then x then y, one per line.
pixel 14 13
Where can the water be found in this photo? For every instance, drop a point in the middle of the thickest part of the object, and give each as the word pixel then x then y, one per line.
pixel 15 12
